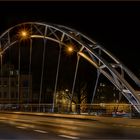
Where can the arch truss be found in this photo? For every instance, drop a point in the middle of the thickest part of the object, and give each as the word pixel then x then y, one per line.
pixel 106 64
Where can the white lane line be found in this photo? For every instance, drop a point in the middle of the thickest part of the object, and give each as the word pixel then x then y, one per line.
pixel 69 137
pixel 22 127
pixel 40 131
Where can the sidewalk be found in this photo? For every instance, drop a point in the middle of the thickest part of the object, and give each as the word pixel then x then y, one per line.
pixel 109 120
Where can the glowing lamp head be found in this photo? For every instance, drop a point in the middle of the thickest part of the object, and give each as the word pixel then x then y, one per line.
pixel 70 49
pixel 23 34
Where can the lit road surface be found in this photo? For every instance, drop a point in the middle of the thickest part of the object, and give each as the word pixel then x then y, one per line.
pixel 34 127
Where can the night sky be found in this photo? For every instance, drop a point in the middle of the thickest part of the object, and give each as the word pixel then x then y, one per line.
pixel 114 25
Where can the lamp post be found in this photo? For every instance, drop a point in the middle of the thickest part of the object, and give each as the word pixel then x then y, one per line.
pixel 23 34
pixel 69 50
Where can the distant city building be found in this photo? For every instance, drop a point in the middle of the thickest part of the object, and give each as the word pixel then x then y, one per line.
pixel 14 88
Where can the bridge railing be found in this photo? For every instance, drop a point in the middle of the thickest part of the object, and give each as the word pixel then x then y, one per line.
pixel 102 109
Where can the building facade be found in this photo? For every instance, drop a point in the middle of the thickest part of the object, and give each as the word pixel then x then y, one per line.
pixel 14 87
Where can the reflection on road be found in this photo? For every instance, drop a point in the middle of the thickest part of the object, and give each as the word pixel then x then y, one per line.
pixel 62 128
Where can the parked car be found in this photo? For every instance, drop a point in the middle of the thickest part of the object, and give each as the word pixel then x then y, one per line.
pixel 120 114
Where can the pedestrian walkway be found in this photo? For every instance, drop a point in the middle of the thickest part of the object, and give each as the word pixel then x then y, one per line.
pixel 109 120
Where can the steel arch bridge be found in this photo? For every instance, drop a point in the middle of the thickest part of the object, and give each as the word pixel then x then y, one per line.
pixel 105 63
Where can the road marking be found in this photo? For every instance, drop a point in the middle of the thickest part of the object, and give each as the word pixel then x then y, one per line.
pixel 40 131
pixel 22 127
pixel 69 137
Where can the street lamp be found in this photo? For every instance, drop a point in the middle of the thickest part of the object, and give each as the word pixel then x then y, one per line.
pixel 69 49
pixel 66 90
pixel 23 34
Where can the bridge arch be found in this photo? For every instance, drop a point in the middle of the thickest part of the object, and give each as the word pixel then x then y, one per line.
pixel 98 56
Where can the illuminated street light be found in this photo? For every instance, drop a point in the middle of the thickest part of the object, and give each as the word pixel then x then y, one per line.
pixel 66 90
pixel 69 49
pixel 23 34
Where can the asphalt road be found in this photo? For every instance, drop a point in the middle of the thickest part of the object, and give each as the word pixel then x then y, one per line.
pixel 47 128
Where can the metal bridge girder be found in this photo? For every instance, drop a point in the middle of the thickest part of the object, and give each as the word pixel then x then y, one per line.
pixel 97 55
